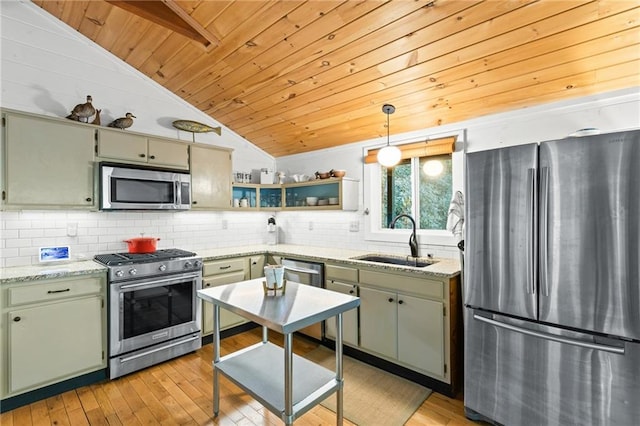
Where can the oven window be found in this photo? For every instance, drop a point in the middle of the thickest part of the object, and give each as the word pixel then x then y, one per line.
pixel 141 191
pixel 157 308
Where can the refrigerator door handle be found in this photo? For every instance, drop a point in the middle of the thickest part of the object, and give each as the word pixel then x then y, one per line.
pixel 544 228
pixel 531 232
pixel 552 337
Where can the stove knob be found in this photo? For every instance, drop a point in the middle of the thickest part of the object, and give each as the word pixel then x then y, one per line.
pixel 162 267
pixel 133 271
pixel 187 264
pixel 119 273
pixel 197 263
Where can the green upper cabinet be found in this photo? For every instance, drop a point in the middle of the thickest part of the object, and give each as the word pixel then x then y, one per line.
pixel 121 145
pixel 48 163
pixel 210 177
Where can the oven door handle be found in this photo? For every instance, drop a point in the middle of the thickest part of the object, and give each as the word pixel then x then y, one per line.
pixel 151 351
pixel 155 282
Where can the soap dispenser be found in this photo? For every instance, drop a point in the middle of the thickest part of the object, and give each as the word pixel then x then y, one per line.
pixel 272 231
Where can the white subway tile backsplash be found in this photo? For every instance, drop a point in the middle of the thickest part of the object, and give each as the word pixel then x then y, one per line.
pixel 105 232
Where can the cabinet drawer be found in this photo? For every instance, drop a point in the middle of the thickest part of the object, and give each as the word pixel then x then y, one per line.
pixel 416 285
pixel 54 290
pixel 223 266
pixel 221 279
pixel 341 273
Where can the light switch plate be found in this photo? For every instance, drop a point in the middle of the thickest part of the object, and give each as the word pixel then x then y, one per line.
pixel 354 226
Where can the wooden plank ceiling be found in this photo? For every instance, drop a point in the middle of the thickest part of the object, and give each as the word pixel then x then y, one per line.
pixel 297 76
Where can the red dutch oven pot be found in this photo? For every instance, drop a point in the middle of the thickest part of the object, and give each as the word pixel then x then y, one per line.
pixel 142 244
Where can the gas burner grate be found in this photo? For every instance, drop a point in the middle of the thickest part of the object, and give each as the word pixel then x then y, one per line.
pixel 133 258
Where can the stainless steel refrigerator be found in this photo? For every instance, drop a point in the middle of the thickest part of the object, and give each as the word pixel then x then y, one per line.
pixel 552 282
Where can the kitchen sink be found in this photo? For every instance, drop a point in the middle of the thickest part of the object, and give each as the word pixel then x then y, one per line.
pixel 396 260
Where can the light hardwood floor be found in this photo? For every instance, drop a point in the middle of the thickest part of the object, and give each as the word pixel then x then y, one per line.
pixel 179 392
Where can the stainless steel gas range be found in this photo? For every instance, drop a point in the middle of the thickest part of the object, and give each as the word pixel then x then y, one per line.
pixel 154 313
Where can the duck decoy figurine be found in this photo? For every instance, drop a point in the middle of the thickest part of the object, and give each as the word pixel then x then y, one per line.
pixel 123 122
pixel 73 116
pixel 96 120
pixel 83 111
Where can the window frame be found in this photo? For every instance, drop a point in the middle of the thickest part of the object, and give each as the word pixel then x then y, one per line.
pixel 373 197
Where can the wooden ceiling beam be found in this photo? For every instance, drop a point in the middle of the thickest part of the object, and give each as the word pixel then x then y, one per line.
pixel 170 15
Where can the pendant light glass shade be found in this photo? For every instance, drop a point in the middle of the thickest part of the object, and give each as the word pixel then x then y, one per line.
pixel 390 155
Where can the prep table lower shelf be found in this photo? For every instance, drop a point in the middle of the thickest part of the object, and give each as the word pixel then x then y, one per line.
pixel 259 369
pixel 286 384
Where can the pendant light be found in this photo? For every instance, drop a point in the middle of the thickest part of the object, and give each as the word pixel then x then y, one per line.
pixel 390 155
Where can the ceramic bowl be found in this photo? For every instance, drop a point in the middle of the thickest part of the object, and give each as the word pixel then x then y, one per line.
pixel 338 173
pixel 323 202
pixel 324 175
pixel 333 201
pixel 312 201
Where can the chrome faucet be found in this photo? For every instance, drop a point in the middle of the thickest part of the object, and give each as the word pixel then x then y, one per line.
pixel 413 242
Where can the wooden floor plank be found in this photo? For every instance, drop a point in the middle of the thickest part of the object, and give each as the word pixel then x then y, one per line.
pixel 71 401
pixel 180 392
pixel 77 417
pixel 59 417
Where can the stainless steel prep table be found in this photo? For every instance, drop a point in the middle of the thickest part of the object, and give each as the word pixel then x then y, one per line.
pixel 286 384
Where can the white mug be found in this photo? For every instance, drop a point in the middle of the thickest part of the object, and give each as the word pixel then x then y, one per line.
pixel 236 202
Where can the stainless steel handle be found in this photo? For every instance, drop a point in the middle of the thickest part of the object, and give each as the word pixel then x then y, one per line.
pixel 151 351
pixel 552 337
pixel 155 282
pixel 531 232
pixel 302 270
pixel 544 229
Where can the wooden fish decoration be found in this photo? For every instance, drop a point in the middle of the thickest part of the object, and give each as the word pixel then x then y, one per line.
pixel 195 127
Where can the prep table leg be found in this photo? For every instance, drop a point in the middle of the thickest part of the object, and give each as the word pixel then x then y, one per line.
pixel 339 376
pixel 216 359
pixel 288 379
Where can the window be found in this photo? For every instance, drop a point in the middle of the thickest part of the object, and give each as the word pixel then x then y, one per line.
pixel 419 186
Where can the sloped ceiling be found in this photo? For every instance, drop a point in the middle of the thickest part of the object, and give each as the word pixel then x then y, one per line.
pixel 296 76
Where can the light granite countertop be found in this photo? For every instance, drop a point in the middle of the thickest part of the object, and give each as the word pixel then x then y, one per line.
pixel 442 267
pixel 45 272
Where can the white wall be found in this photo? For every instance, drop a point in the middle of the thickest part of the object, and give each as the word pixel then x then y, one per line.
pixel 47 68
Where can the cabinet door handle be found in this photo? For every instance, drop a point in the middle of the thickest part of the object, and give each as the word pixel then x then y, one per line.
pixel 225 267
pixel 207 284
pixel 58 291
pixel 153 157
pixel 194 202
pixel 390 299
pixel 141 155
pixel 400 302
pixel 16 319
pixel 351 291
pixel 88 199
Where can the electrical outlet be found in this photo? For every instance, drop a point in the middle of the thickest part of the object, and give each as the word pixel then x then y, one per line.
pixel 225 224
pixel 354 226
pixel 310 226
pixel 72 229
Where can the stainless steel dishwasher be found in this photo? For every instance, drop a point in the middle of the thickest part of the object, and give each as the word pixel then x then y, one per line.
pixel 309 273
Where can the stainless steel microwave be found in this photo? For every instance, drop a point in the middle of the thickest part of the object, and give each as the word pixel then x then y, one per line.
pixel 129 187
